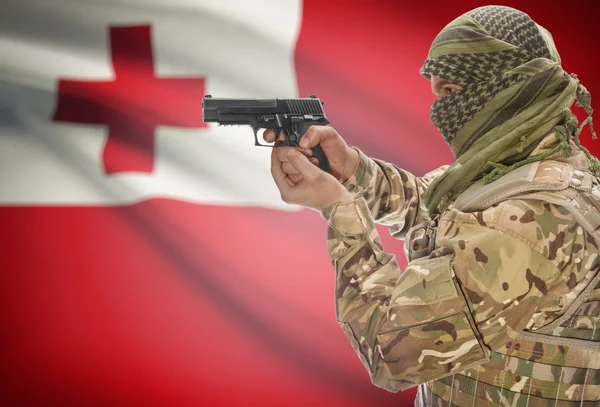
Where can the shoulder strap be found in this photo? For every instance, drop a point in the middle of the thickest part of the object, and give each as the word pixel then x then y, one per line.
pixel 546 175
pixel 551 181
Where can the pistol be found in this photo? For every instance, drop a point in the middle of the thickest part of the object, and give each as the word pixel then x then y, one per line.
pixel 293 116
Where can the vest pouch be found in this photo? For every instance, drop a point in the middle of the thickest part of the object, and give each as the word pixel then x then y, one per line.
pixel 435 335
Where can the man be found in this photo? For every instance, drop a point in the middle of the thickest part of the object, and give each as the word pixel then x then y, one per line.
pixel 500 301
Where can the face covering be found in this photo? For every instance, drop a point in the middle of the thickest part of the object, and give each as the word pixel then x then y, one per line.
pixel 514 93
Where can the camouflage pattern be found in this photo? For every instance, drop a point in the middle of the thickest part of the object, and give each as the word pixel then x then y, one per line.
pixel 391 193
pixel 452 321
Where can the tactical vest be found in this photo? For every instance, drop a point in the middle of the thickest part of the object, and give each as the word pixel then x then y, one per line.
pixel 559 361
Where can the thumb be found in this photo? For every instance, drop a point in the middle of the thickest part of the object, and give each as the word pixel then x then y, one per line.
pixel 301 163
pixel 312 137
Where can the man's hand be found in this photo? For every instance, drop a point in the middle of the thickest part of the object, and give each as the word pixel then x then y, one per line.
pixel 343 160
pixel 316 188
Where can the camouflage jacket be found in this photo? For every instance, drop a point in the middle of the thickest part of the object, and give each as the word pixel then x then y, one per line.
pixel 458 312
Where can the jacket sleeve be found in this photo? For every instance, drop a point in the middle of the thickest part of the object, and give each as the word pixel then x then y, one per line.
pixel 445 312
pixel 393 195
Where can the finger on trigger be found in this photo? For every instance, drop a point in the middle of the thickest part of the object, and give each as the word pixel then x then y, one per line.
pixel 268 135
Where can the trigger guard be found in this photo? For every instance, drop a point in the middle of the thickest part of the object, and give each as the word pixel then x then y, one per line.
pixel 256 142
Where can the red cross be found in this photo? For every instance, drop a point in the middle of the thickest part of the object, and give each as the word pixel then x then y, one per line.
pixel 132 104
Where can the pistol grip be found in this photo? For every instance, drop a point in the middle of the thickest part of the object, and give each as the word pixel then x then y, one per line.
pixel 295 134
pixel 319 154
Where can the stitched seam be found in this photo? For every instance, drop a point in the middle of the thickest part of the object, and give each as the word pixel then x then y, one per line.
pixel 587 371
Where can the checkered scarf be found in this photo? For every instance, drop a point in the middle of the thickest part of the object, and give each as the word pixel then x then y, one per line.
pixel 514 93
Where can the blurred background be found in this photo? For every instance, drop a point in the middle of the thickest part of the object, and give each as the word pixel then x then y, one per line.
pixel 147 258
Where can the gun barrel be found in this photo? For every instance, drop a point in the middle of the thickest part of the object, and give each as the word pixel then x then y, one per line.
pixel 215 109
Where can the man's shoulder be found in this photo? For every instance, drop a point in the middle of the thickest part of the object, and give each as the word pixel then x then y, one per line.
pixel 530 202
pixel 544 226
pixel 540 222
